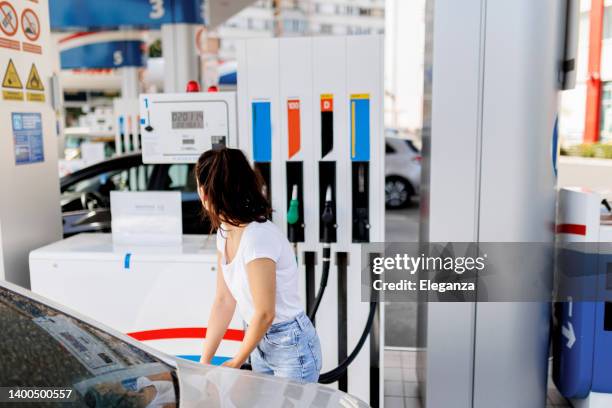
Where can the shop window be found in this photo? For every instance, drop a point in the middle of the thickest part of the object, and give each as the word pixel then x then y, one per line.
pixel 326 28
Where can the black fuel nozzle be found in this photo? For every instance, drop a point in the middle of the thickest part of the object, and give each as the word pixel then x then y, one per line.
pixel 328 217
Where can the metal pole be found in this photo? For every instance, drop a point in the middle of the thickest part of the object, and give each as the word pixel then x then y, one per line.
pixel 130 82
pixel 181 59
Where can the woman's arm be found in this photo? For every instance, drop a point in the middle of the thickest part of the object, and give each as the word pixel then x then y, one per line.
pixel 262 282
pixel 220 316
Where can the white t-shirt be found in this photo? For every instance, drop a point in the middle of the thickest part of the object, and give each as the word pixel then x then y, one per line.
pixel 262 240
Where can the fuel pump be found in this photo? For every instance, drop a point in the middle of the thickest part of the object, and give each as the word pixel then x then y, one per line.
pixel 325 174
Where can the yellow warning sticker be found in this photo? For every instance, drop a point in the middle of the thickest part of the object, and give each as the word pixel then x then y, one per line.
pixel 11 77
pixel 34 83
pixel 12 95
pixel 35 97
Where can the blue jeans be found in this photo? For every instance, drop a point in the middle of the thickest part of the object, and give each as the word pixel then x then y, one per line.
pixel 290 350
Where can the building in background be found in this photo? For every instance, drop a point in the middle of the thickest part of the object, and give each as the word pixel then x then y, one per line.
pixel 268 18
pixel 394 18
pixel 573 110
pixel 404 66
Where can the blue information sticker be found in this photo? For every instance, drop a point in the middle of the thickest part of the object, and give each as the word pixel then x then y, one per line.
pixel 262 132
pixel 360 127
pixel 28 138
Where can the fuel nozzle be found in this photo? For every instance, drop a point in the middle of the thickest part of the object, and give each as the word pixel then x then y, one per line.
pixel 293 216
pixel 327 217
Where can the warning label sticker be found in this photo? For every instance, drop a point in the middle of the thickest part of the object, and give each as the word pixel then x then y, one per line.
pixel 30 24
pixel 35 97
pixel 33 48
pixel 11 77
pixel 13 83
pixel 10 44
pixel 34 83
pixel 12 95
pixel 8 19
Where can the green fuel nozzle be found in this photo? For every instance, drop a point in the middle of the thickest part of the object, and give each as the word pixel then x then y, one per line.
pixel 293 214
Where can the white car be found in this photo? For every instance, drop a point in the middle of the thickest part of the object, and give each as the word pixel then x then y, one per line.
pixel 402 172
pixel 82 363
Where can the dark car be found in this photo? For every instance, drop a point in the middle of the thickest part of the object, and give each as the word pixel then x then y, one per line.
pixel 85 198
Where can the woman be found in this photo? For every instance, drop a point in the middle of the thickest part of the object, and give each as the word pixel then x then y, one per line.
pixel 257 272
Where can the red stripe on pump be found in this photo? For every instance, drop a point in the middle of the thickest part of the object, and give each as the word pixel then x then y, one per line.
pixel 576 229
pixel 183 333
pixel 293 126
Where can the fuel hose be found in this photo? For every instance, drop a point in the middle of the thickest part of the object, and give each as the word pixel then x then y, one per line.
pixel 335 374
pixel 327 219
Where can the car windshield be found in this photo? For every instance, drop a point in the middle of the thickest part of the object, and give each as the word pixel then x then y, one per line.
pixel 135 178
pixel 43 347
pixel 174 177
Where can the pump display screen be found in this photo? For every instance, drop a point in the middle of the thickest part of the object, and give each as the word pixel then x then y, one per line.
pixel 188 120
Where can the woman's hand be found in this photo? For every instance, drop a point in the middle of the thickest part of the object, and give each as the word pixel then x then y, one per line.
pixel 220 316
pixel 233 363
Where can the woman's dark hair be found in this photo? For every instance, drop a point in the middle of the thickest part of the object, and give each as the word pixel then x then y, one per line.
pixel 233 190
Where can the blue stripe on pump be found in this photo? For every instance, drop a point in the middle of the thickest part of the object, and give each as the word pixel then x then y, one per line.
pixel 360 129
pixel 262 132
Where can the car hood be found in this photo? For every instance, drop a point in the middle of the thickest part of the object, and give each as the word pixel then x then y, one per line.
pixel 203 385
pixel 214 386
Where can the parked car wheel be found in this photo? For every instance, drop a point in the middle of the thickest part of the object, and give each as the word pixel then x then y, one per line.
pixel 398 192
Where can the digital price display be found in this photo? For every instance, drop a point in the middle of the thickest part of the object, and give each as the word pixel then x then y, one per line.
pixel 178 127
pixel 188 120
